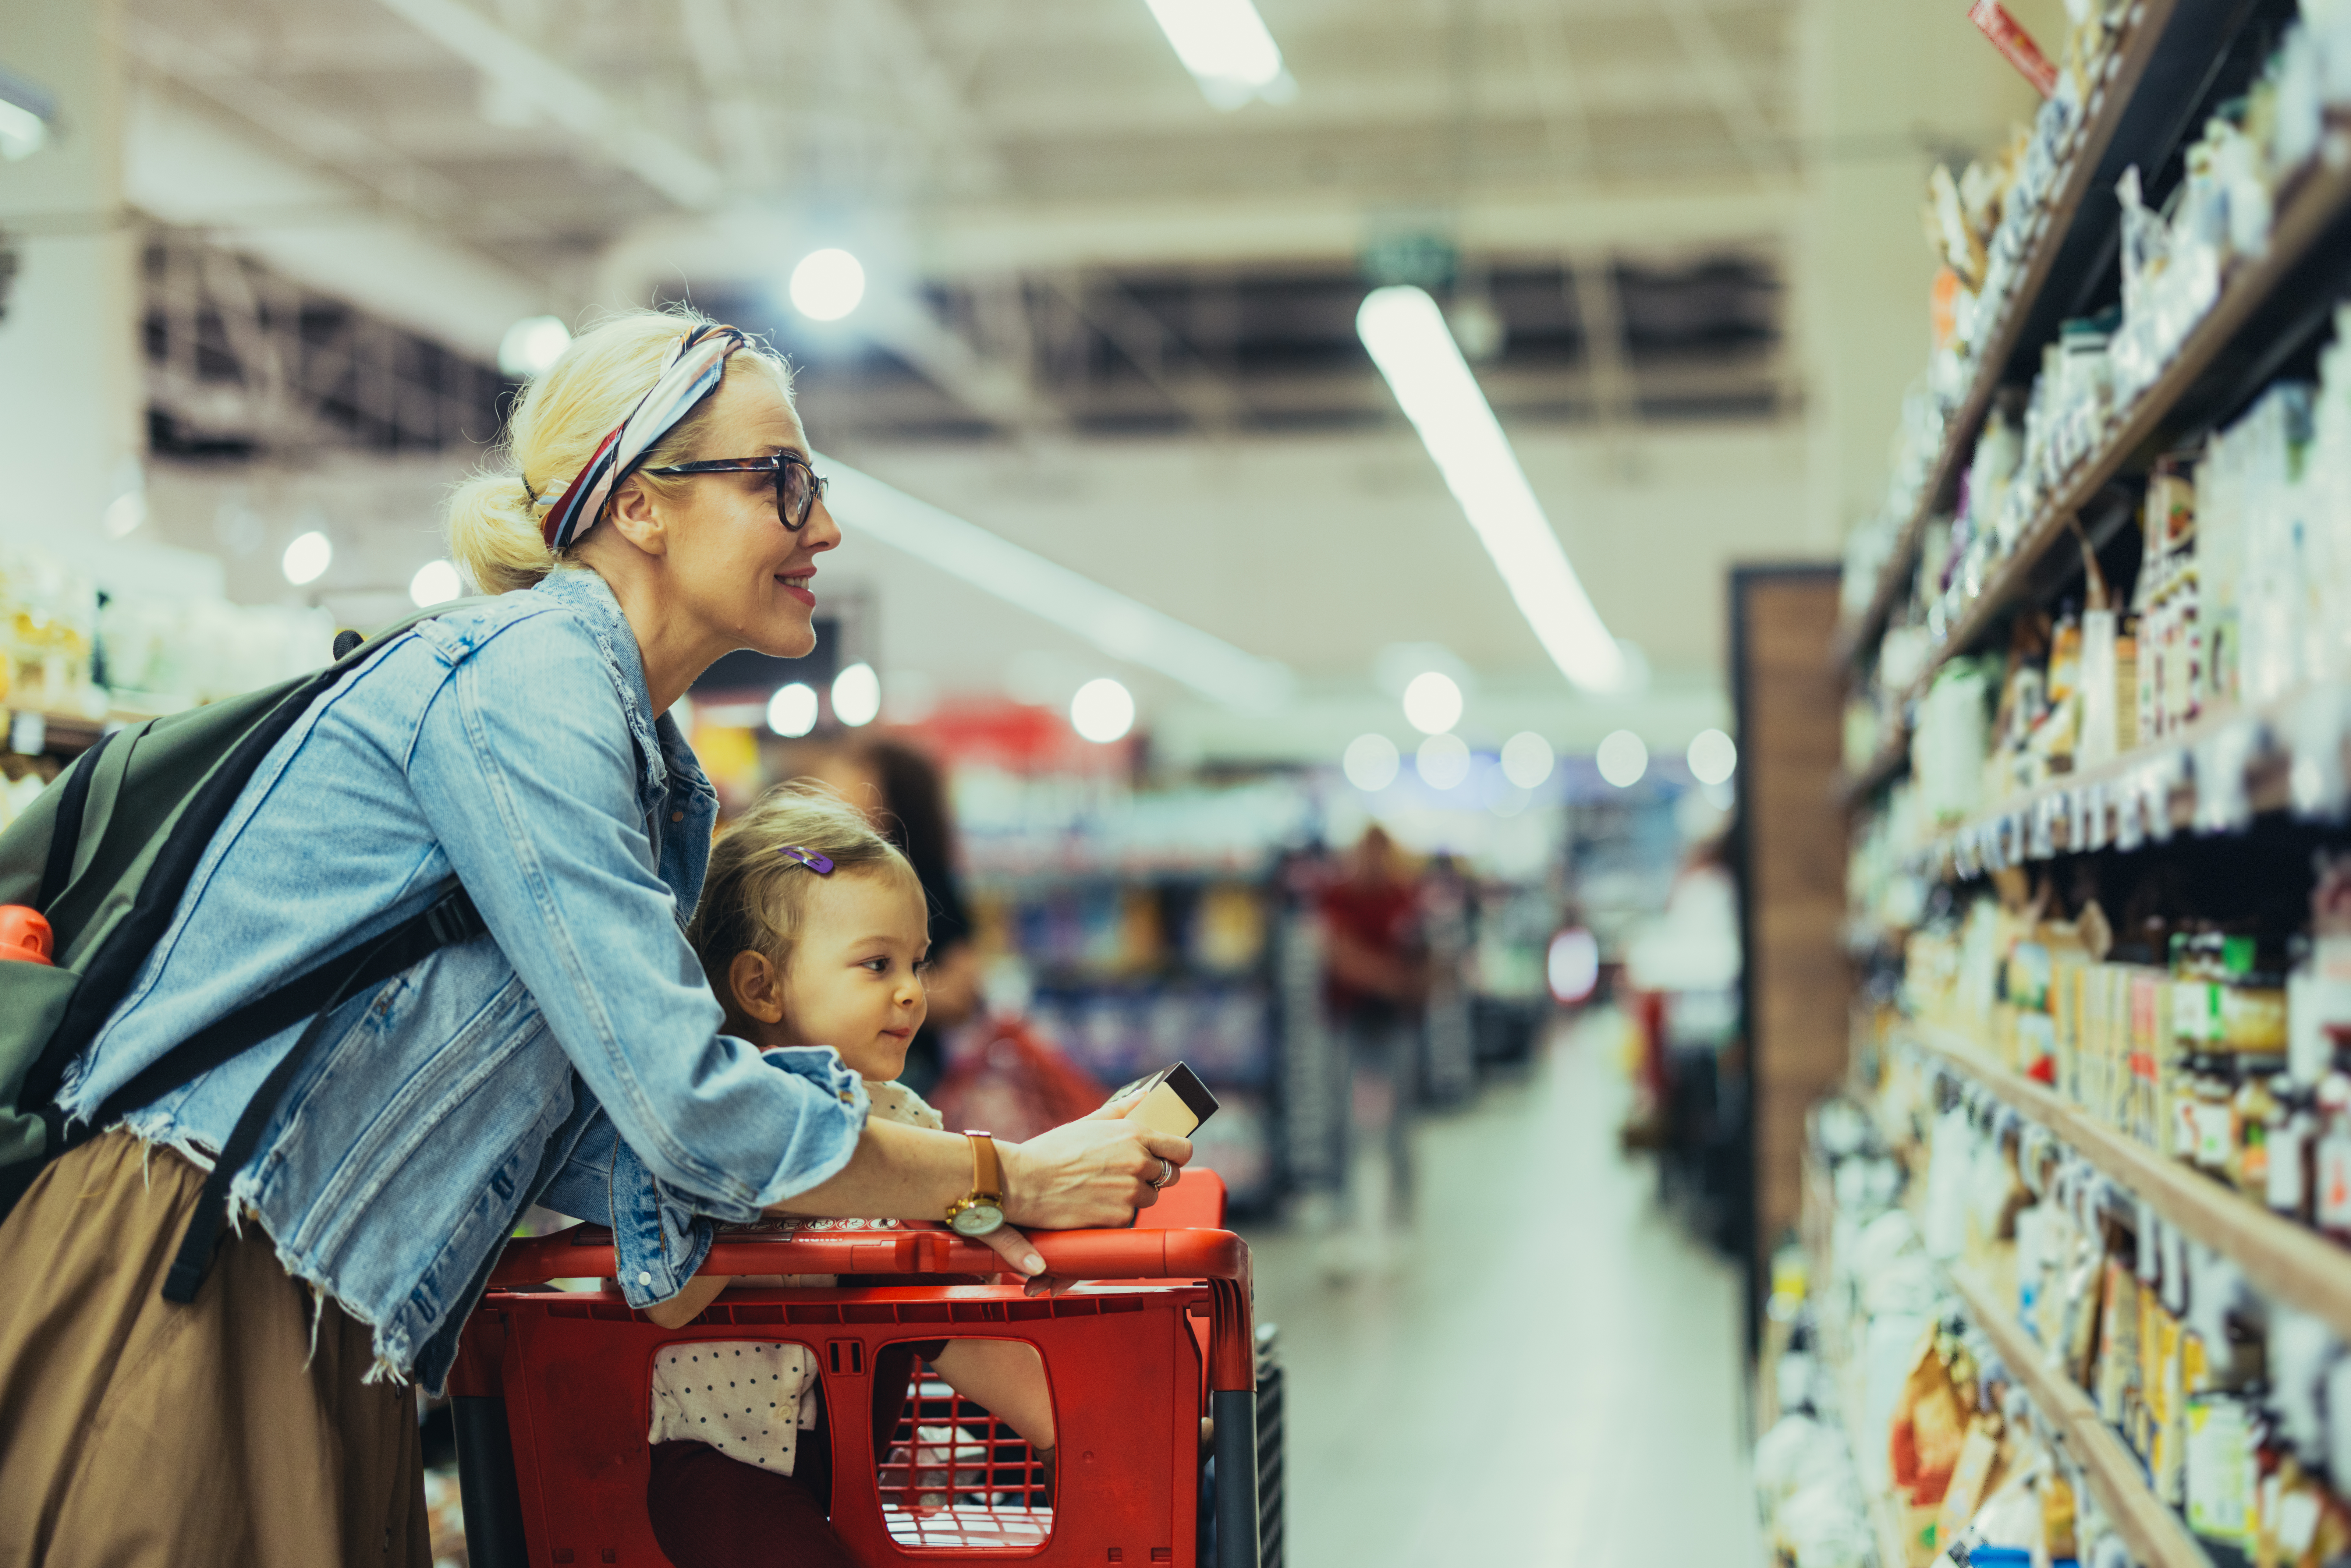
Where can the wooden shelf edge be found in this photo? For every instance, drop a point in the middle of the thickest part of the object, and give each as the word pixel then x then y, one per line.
pixel 2157 1535
pixel 2128 64
pixel 2284 1261
pixel 2323 198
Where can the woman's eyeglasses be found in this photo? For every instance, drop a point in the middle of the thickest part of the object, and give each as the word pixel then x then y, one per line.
pixel 798 487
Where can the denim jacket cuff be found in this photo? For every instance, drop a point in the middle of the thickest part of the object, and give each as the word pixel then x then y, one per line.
pixel 658 1241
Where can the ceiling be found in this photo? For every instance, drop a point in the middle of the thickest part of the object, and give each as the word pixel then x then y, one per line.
pixel 1096 299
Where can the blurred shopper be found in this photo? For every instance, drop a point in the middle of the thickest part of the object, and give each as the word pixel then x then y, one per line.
pixel 1376 981
pixel 904 793
pixel 660 514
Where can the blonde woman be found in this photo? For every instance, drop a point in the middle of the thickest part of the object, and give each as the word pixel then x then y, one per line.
pixel 661 510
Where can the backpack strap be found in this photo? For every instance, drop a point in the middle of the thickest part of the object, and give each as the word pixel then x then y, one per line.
pixel 451 920
pixel 110 970
pixel 65 833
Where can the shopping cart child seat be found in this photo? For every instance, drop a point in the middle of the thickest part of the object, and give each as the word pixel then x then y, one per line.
pixel 551 1394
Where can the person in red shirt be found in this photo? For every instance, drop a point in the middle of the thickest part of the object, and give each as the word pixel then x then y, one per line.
pixel 1375 978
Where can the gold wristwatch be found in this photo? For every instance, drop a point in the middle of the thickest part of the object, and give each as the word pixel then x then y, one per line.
pixel 981 1212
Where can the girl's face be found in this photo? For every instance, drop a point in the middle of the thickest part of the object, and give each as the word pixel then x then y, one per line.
pixel 855 979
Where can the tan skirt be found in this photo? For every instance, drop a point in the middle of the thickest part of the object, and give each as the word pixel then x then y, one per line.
pixel 134 1432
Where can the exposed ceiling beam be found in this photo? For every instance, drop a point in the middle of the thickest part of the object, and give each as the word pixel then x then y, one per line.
pixel 738 127
pixel 568 99
pixel 1607 363
pixel 185 167
pixel 1541 220
pixel 1164 359
pixel 1550 69
pixel 1718 74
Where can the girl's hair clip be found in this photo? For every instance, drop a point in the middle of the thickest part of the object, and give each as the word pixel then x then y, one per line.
pixel 807 857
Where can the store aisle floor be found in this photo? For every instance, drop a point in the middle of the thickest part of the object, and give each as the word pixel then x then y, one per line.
pixel 1552 1378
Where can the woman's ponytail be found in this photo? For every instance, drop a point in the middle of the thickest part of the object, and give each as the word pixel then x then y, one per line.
pixel 494 534
pixel 557 424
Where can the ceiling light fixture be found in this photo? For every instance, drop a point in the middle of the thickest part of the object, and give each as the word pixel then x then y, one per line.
pixel 827 285
pixel 1713 757
pixel 307 557
pixel 531 346
pixel 1102 711
pixel 857 696
pixel 1623 758
pixel 1371 762
pixel 435 582
pixel 1432 702
pixel 1443 761
pixel 1527 759
pixel 791 712
pixel 1225 46
pixel 1119 627
pixel 25 111
pixel 1408 340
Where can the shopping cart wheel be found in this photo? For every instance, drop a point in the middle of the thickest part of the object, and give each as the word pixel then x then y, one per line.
pixel 1234 1411
pixel 485 1484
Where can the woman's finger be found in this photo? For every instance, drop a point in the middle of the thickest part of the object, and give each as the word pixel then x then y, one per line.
pixel 1015 1249
pixel 1167 1146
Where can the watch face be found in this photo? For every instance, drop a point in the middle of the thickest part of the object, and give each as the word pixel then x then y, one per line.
pixel 976 1219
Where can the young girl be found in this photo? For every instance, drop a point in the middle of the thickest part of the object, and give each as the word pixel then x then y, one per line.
pixel 813 930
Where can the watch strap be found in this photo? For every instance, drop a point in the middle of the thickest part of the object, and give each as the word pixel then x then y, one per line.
pixel 986 1168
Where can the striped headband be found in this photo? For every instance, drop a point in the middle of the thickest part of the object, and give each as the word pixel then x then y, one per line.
pixel 694 368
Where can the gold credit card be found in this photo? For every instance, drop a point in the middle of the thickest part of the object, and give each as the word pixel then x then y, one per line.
pixel 1175 1101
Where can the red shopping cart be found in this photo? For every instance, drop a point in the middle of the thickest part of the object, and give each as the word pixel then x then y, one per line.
pixel 550 1395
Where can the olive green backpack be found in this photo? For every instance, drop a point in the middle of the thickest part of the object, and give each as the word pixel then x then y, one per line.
pixel 104 854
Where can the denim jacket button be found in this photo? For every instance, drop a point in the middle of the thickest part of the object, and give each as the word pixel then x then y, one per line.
pixel 846 1097
pixel 644 1277
pixel 677 816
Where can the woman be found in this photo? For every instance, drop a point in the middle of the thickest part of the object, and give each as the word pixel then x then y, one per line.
pixel 661 513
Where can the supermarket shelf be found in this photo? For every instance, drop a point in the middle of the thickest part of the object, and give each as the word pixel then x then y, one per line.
pixel 2101 150
pixel 2203 366
pixel 2266 785
pixel 2282 1260
pixel 2156 1535
pixel 1885 1512
pixel 61 734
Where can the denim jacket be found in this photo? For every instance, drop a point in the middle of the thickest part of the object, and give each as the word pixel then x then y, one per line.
pixel 574 1059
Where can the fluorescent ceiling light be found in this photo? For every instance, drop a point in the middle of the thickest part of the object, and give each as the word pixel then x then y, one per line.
pixel 1225 45
pixel 1409 342
pixel 25 111
pixel 1105 617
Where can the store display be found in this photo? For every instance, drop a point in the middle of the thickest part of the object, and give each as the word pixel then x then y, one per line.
pixel 2095 1171
pixel 73 660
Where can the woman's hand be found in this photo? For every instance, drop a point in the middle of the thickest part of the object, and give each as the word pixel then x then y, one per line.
pixel 1078 1168
pixel 1094 1172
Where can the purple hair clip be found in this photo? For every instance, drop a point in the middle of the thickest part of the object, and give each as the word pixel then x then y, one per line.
pixel 807 857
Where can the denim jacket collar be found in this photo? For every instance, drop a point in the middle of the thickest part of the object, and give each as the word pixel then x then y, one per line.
pixel 662 750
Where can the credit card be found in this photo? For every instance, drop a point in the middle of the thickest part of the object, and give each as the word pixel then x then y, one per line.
pixel 1175 1101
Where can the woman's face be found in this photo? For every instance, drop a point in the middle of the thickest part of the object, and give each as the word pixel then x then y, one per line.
pixel 732 566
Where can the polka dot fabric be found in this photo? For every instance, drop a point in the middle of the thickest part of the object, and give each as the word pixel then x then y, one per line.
pixel 749 1398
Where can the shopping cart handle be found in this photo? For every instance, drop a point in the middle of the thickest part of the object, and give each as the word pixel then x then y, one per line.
pixel 585 1251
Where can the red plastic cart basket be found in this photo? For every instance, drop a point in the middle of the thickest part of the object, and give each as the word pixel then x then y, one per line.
pixel 550 1395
